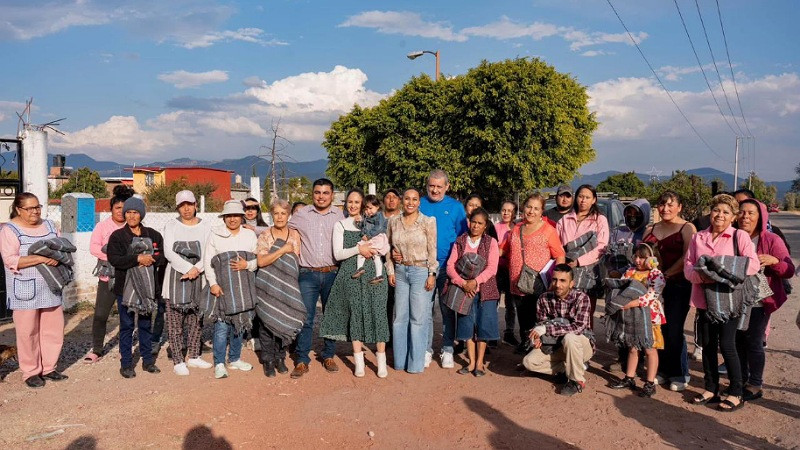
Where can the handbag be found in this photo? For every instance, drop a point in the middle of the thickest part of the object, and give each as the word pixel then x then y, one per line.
pixel 529 281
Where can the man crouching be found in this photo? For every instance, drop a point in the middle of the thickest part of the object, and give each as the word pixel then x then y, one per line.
pixel 562 341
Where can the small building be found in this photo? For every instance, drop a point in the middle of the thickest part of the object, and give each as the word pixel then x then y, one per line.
pixel 239 190
pixel 145 177
pixel 112 182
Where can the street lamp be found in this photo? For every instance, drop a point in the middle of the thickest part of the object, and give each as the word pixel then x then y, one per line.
pixel 417 54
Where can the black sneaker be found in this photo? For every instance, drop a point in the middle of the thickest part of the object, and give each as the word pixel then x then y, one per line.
pixel 127 372
pixel 35 382
pixel 151 368
pixel 510 339
pixel 269 369
pixel 280 366
pixel 571 388
pixel 55 376
pixel 648 389
pixel 625 383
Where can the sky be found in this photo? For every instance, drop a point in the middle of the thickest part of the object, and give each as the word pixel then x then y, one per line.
pixel 155 80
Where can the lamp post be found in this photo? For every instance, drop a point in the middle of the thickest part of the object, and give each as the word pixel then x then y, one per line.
pixel 417 54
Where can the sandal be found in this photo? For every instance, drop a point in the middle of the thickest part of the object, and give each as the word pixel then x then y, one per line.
pixel 728 406
pixel 702 399
pixel 91 358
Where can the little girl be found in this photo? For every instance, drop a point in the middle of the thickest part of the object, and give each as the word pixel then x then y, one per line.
pixel 373 228
pixel 646 272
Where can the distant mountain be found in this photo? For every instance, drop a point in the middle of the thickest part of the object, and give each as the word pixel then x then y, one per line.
pixel 316 169
pixel 242 166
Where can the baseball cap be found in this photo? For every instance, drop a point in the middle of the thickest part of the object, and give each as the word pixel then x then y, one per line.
pixel 184 197
pixel 564 189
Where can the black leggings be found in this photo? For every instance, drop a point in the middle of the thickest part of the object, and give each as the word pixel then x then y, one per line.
pixel 103 304
pixel 750 346
pixel 720 336
pixel 672 360
pixel 272 347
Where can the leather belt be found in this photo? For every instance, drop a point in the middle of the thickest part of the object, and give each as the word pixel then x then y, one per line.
pixel 420 263
pixel 323 269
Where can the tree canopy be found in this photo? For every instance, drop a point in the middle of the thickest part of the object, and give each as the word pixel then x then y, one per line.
pixel 695 193
pixel 624 184
pixel 796 182
pixel 505 127
pixel 83 180
pixel 161 197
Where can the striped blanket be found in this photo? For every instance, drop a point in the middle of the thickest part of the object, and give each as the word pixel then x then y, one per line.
pixel 184 294
pixel 61 249
pixel 732 292
pixel 585 276
pixel 468 266
pixel 104 269
pixel 280 306
pixel 627 327
pixel 139 293
pixel 237 303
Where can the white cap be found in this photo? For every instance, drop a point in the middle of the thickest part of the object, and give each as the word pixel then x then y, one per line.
pixel 184 197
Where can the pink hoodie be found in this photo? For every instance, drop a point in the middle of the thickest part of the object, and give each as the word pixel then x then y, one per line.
pixel 102 231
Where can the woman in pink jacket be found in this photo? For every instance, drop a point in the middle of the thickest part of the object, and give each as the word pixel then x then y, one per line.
pixel 717 240
pixel 777 266
pixel 105 297
pixel 586 217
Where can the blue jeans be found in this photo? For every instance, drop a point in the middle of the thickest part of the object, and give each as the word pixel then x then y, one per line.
pixel 223 331
pixel 127 320
pixel 314 285
pixel 411 318
pixel 158 323
pixel 447 347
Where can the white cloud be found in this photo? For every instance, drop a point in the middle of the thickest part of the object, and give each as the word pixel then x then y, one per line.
pixel 118 137
pixel 676 73
pixel 405 23
pixel 26 20
pixel 182 79
pixel 581 39
pixel 506 28
pixel 252 35
pixel 591 53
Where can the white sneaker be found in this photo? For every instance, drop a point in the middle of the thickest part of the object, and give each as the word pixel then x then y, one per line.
pixel 382 371
pixel 677 386
pixel 660 380
pixel 447 360
pixel 428 359
pixel 181 369
pixel 358 359
pixel 240 365
pixel 220 372
pixel 200 363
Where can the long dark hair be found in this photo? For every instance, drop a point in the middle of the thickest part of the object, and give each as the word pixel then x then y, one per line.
pixel 359 192
pixel 480 211
pixel 259 218
pixel 593 210
pixel 120 193
pixel 18 199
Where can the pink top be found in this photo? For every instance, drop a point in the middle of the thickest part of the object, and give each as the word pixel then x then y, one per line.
pixel 502 230
pixel 540 247
pixel 569 229
pixel 488 272
pixel 102 231
pixel 9 244
pixel 704 244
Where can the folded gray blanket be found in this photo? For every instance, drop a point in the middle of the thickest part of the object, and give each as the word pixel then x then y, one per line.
pixel 104 269
pixel 733 292
pixel 585 277
pixel 139 293
pixel 236 305
pixel 280 306
pixel 468 266
pixel 627 327
pixel 61 249
pixel 184 294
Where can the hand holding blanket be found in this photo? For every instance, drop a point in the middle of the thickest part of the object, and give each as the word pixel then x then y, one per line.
pixel 627 327
pixel 61 250
pixel 280 306
pixel 139 293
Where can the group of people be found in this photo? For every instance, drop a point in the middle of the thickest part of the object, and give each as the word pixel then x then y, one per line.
pixel 379 266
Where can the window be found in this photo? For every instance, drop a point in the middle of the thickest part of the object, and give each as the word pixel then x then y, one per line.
pixel 149 179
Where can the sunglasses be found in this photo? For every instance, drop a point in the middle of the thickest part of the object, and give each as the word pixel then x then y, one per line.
pixel 252 208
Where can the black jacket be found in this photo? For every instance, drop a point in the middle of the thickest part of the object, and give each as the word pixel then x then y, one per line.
pixel 120 256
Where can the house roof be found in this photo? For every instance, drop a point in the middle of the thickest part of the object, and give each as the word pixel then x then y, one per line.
pixel 160 169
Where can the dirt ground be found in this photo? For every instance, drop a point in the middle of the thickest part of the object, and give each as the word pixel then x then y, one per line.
pixel 508 408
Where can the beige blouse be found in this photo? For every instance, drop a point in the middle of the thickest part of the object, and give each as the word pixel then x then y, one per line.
pixel 267 238
pixel 416 242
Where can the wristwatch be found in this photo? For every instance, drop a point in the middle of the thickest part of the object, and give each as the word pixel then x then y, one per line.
pixel 431 274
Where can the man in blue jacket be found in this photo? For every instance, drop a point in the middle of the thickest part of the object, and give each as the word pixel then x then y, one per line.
pixel 451 222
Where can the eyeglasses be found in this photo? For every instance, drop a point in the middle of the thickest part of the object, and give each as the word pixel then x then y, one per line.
pixel 31 208
pixel 251 208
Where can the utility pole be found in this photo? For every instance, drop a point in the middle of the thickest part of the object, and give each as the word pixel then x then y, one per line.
pixel 736 166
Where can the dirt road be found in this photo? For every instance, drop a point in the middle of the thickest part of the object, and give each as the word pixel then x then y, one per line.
pixel 508 408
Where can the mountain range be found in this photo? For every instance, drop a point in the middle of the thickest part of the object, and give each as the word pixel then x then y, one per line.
pixel 316 169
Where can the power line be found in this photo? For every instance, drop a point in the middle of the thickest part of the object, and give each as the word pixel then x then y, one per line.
pixel 700 65
pixel 714 60
pixel 733 78
pixel 636 44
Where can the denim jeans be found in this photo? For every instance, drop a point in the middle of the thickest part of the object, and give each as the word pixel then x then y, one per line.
pixel 223 331
pixel 412 309
pixel 440 280
pixel 127 320
pixel 314 285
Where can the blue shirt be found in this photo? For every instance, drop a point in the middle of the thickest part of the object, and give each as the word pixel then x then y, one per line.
pixel 451 222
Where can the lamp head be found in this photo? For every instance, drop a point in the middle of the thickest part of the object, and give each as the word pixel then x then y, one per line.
pixel 415 55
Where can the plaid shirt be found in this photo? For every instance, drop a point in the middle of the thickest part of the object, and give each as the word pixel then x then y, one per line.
pixel 576 307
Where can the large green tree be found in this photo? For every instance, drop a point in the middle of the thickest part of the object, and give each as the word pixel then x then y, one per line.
pixel 767 193
pixel 624 184
pixel 501 128
pixel 695 193
pixel 796 182
pixel 83 180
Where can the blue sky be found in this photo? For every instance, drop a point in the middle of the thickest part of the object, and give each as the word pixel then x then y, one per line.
pixel 155 80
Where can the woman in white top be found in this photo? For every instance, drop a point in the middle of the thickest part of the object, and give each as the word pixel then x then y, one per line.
pixel 229 238
pixel 181 274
